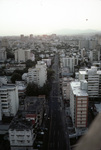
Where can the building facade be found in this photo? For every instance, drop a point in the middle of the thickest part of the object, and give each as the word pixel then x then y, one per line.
pixel 70 62
pixel 93 78
pixel 3 54
pixel 21 134
pixel 23 55
pixel 9 101
pixel 94 55
pixel 79 104
pixel 38 75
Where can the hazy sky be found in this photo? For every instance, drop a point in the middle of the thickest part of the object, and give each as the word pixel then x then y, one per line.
pixel 45 16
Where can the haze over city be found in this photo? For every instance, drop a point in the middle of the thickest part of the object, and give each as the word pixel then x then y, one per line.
pixel 49 16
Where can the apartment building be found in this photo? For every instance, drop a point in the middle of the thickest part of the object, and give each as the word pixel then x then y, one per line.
pixel 88 44
pixel 38 75
pixel 3 80
pixel 21 88
pixel 33 75
pixel 21 134
pixel 66 87
pixel 84 44
pixel 83 52
pixel 9 101
pixel 93 78
pixel 92 44
pixel 94 55
pixel 70 62
pixel 23 55
pixel 79 103
pixel 3 54
pixel 35 106
pixel 22 130
pixel 47 61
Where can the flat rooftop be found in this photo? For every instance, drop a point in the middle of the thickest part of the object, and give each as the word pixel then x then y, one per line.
pixel 20 123
pixel 76 89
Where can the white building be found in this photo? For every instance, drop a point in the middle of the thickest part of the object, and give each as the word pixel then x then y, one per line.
pixel 84 44
pixel 94 55
pixel 66 87
pixel 79 104
pixel 38 75
pixel 23 55
pixel 93 77
pixel 83 52
pixel 3 79
pixel 21 88
pixel 21 134
pixel 42 72
pixel 70 62
pixel 47 61
pixel 33 75
pixel 8 100
pixel 3 54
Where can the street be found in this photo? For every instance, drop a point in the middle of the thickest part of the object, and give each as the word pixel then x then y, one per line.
pixel 58 136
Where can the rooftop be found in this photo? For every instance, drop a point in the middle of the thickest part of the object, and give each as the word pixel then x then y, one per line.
pixel 76 89
pixel 20 123
pixel 8 86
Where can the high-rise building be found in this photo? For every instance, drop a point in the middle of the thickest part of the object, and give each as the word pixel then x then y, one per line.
pixel 23 55
pixel 93 78
pixel 70 62
pixel 9 101
pixel 94 55
pixel 3 54
pixel 84 44
pixel 92 44
pixel 38 74
pixel 79 103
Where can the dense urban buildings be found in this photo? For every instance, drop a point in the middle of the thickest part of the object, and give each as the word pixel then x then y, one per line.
pixel 65 75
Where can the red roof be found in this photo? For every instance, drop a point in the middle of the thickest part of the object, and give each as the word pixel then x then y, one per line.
pixel 31 116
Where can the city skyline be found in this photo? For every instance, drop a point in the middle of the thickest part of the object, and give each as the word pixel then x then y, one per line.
pixel 48 16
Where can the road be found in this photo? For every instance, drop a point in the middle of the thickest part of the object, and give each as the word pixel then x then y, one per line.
pixel 58 136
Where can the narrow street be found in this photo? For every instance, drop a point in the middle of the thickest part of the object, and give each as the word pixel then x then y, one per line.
pixel 58 137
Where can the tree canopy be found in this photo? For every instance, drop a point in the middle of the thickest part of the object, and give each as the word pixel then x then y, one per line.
pixel 33 89
pixel 16 77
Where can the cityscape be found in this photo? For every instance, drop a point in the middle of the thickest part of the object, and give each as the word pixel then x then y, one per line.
pixel 50 90
pixel 50 74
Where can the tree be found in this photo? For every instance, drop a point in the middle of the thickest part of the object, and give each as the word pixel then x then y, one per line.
pixel 50 74
pixel 30 63
pixel 32 90
pixel 16 77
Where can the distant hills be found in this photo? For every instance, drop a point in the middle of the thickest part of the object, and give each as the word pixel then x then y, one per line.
pixel 75 32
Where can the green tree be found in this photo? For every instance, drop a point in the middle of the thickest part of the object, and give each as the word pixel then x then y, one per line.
pixel 32 90
pixel 30 63
pixel 50 74
pixel 16 77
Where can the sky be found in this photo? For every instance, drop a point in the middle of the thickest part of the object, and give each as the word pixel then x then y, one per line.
pixel 47 16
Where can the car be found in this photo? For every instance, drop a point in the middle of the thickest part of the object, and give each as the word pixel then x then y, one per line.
pixel 43 129
pixel 39 146
pixel 42 133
